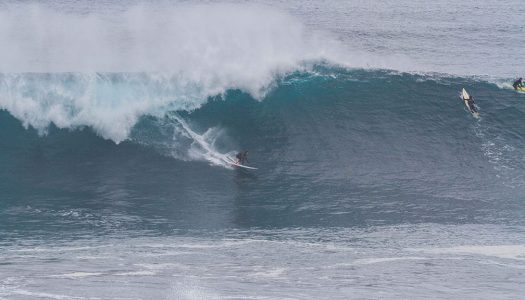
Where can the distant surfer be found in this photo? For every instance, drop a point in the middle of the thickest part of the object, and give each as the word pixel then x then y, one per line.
pixel 518 83
pixel 242 157
pixel 471 106
pixel 469 101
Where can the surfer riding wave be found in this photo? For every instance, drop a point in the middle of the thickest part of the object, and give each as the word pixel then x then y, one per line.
pixel 242 157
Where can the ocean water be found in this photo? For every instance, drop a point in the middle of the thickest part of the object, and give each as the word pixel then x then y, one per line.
pixel 373 179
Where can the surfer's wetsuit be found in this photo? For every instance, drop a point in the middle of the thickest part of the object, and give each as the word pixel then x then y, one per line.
pixel 242 157
pixel 239 158
pixel 518 83
pixel 471 105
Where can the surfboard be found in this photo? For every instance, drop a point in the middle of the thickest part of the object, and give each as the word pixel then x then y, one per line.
pixel 233 162
pixel 465 96
pixel 521 89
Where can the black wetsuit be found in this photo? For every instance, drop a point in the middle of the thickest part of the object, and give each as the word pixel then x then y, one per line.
pixel 242 157
pixel 239 157
pixel 471 105
pixel 518 83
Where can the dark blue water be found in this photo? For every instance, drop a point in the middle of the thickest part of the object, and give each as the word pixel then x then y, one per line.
pixel 356 148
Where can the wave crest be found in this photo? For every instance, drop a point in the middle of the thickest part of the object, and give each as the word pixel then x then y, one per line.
pixel 107 69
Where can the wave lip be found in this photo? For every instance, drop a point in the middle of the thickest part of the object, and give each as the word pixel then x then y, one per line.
pixel 105 70
pixel 109 103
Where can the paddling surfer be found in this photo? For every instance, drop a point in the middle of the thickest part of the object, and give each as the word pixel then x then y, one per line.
pixel 470 103
pixel 471 106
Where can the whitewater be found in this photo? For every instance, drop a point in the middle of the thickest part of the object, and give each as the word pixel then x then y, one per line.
pixel 373 181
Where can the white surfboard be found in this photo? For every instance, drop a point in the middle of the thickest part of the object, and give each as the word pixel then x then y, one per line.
pixel 233 162
pixel 465 96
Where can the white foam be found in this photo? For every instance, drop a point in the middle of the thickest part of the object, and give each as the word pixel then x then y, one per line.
pixel 56 249
pixel 501 251
pixel 203 146
pixel 136 273
pixel 163 266
pixel 76 275
pixel 48 295
pixel 376 260
pixel 252 41
pixel 121 65
pixel 190 289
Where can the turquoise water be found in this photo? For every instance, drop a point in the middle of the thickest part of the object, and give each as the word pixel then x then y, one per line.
pixel 374 181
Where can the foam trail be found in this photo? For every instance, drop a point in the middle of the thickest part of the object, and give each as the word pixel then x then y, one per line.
pixel 204 149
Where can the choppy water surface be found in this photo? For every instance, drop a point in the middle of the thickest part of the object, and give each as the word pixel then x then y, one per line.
pixel 374 181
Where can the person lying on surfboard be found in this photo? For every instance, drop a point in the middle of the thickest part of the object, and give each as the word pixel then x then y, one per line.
pixel 470 102
pixel 518 83
pixel 242 157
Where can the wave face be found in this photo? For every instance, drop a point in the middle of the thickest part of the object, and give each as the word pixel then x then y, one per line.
pixel 352 146
pixel 141 101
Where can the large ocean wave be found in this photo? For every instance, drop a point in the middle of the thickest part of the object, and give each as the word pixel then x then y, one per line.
pixel 366 108
pixel 107 69
pixel 198 88
pixel 117 122
pixel 145 107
